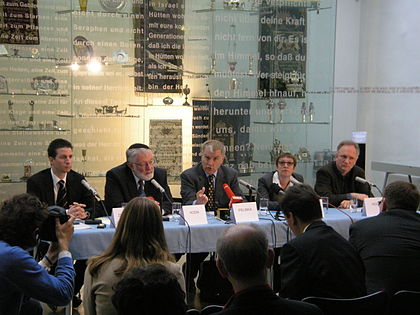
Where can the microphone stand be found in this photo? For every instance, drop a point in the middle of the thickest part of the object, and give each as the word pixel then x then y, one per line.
pixel 98 198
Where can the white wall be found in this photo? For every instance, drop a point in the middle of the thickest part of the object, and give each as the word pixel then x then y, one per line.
pixel 388 56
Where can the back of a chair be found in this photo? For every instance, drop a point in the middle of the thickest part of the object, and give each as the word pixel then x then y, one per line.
pixel 375 303
pixel 405 303
pixel 192 311
pixel 210 309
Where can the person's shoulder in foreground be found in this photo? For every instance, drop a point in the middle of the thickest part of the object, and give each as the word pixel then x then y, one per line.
pixel 244 258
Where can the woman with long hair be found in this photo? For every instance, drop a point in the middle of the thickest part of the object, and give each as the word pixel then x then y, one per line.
pixel 139 240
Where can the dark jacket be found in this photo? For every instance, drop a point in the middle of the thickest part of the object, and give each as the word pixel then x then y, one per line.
pixel 320 262
pixel 193 179
pixel 261 300
pixel 330 183
pixel 389 245
pixel 121 187
pixel 41 185
pixel 265 190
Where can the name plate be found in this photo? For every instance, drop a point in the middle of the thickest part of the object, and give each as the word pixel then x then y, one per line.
pixel 244 212
pixel 371 206
pixel 116 215
pixel 194 215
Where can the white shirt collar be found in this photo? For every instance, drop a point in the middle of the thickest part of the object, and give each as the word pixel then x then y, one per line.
pixel 276 180
pixel 56 179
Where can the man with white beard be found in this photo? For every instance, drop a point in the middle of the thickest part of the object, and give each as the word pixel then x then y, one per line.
pixel 133 179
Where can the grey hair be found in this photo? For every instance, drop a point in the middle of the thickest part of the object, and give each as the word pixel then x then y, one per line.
pixel 132 153
pixel 349 142
pixel 213 145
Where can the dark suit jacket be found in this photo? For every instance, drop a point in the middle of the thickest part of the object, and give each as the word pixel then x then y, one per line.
pixel 389 245
pixel 330 183
pixel 320 262
pixel 265 190
pixel 261 300
pixel 120 187
pixel 193 179
pixel 41 185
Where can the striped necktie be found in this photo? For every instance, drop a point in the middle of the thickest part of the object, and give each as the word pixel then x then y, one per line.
pixel 140 190
pixel 211 206
pixel 62 194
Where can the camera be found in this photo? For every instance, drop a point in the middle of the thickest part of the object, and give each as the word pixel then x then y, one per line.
pixel 47 232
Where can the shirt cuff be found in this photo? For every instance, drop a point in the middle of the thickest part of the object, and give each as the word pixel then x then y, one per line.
pixel 64 253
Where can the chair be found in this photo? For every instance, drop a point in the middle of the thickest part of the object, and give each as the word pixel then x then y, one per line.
pixel 375 303
pixel 192 311
pixel 405 303
pixel 210 309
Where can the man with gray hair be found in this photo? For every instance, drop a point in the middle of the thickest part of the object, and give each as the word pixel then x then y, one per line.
pixel 336 180
pixel 243 257
pixel 132 179
pixel 203 184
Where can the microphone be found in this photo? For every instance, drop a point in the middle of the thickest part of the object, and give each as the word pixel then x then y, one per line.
pixel 161 189
pixel 247 185
pixel 231 195
pixel 96 195
pixel 157 185
pixel 295 181
pixel 228 191
pixel 90 188
pixel 363 181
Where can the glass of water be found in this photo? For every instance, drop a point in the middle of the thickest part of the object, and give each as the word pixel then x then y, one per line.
pixel 176 210
pixel 353 205
pixel 263 206
pixel 325 204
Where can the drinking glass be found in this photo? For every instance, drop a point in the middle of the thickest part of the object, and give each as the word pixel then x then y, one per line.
pixel 263 206
pixel 353 205
pixel 176 209
pixel 325 204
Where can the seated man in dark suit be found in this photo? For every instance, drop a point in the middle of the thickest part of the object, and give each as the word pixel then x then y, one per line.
pixel 60 185
pixel 389 243
pixel 133 179
pixel 273 185
pixel 203 184
pixel 243 257
pixel 318 261
pixel 336 180
pixel 143 289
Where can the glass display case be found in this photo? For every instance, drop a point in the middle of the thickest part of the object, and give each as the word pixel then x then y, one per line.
pixel 257 75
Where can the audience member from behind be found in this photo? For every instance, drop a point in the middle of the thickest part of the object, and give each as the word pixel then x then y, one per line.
pixel 139 240
pixel 24 282
pixel 319 261
pixel 336 180
pixel 389 243
pixel 149 290
pixel 243 257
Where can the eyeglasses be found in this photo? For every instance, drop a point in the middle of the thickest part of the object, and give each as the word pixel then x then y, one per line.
pixel 144 164
pixel 286 163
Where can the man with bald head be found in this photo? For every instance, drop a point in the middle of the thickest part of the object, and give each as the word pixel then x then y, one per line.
pixel 133 179
pixel 336 180
pixel 243 257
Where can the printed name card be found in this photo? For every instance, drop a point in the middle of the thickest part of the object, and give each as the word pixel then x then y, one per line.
pixel 194 215
pixel 244 212
pixel 371 206
pixel 116 215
